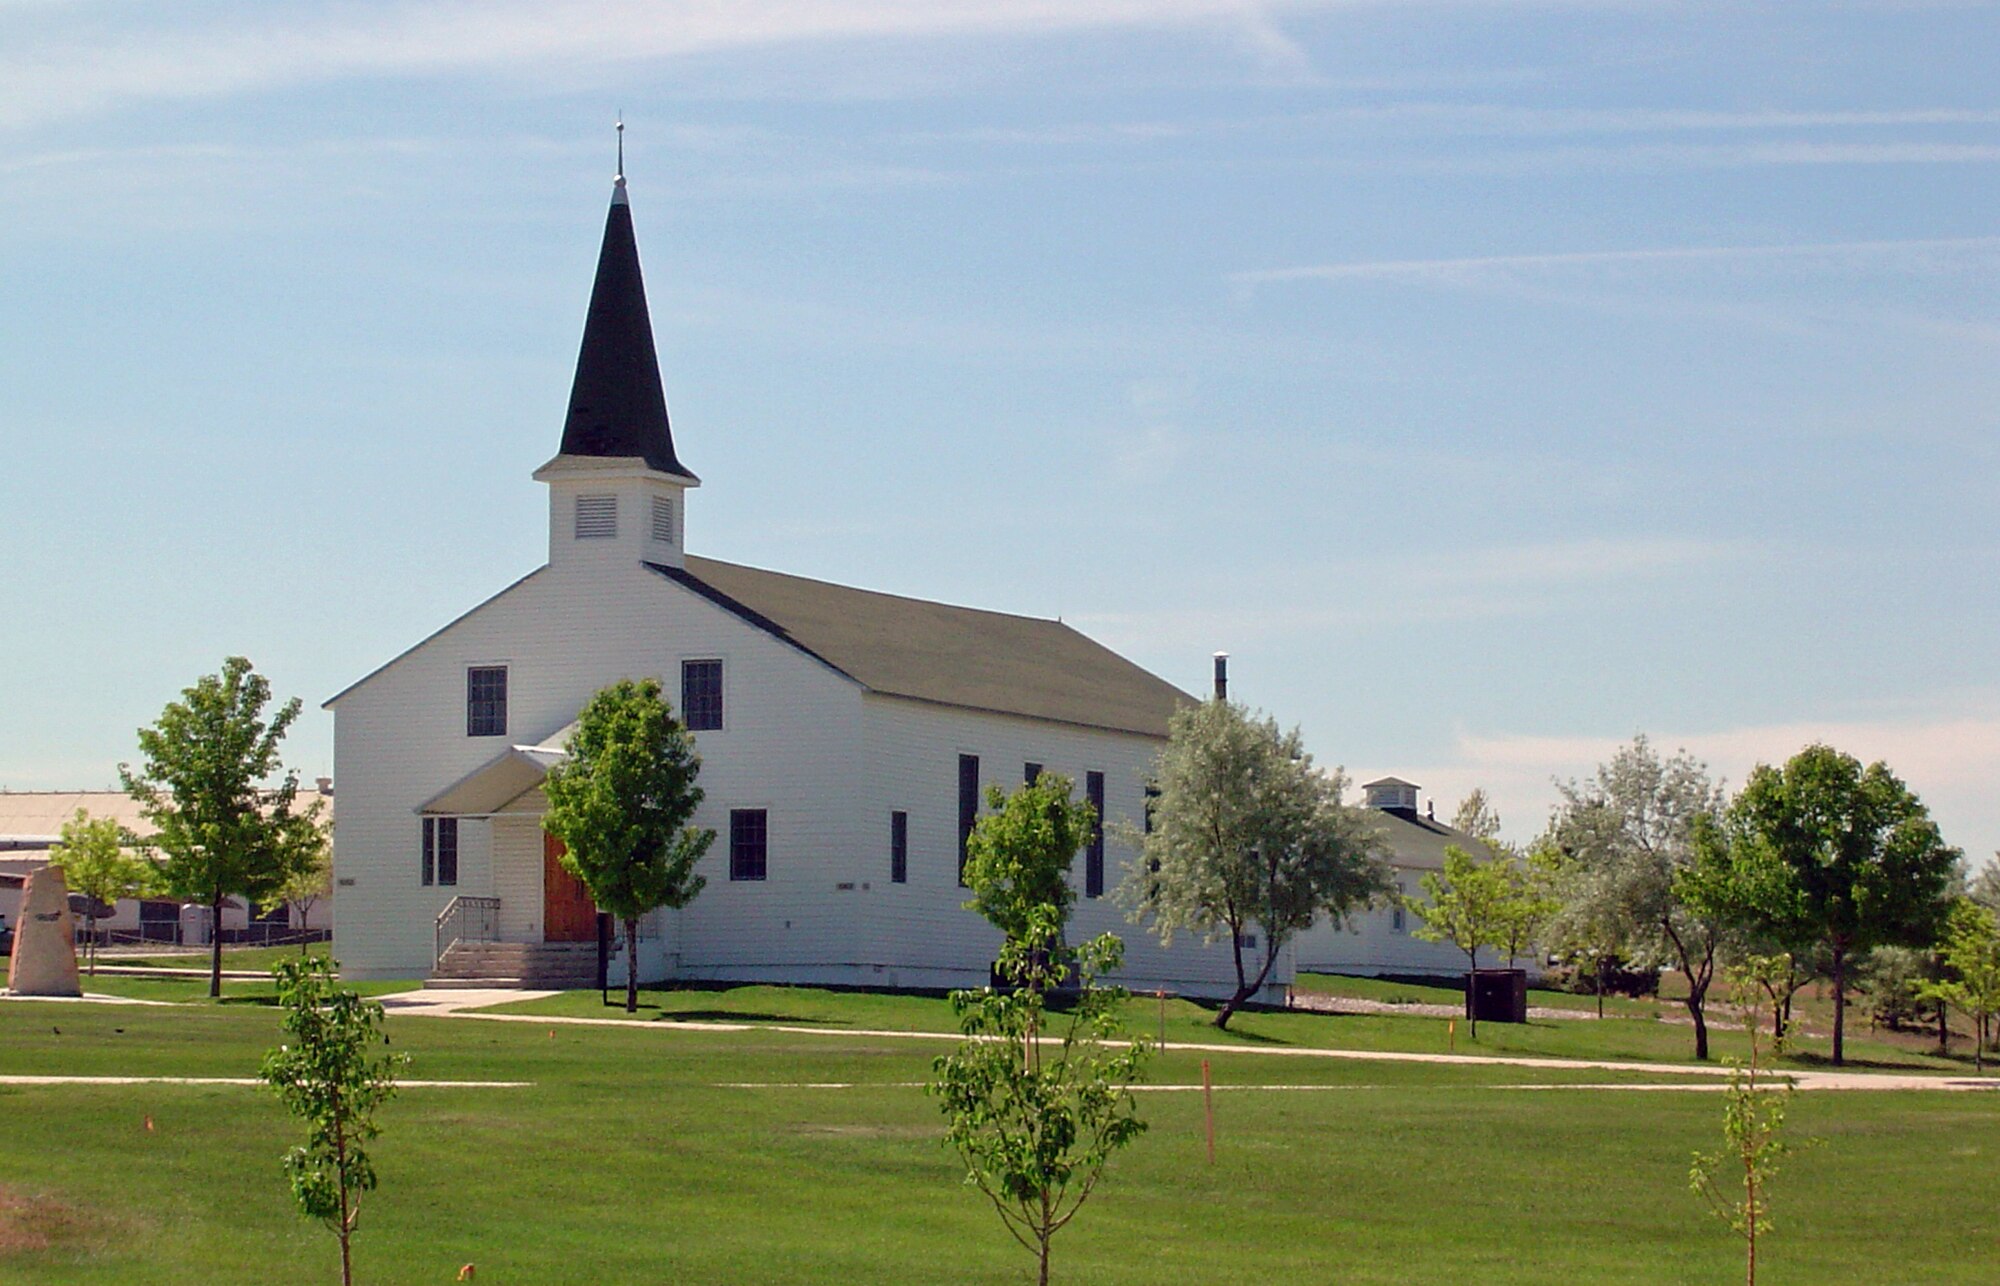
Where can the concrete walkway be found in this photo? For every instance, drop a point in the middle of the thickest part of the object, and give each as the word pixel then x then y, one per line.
pixel 472 1004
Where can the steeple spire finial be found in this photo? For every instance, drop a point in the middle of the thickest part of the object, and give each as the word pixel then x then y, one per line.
pixel 618 180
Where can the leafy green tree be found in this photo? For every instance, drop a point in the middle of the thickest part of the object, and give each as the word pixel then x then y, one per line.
pixel 1985 886
pixel 1248 834
pixel 202 786
pixel 1851 858
pixel 329 1075
pixel 1971 950
pixel 1753 1123
pixel 95 861
pixel 1477 817
pixel 1466 904
pixel 309 879
pixel 1037 1103
pixel 1019 855
pixel 621 803
pixel 1531 900
pixel 1628 835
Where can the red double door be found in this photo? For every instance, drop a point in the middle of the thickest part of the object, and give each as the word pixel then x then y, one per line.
pixel 568 914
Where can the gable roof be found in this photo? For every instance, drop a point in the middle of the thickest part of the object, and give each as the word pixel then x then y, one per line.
pixel 1418 843
pixel 935 652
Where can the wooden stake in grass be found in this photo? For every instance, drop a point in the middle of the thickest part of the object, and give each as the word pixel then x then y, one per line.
pixel 1208 1108
pixel 327 1075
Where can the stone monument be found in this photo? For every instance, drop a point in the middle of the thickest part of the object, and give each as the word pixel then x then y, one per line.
pixel 44 962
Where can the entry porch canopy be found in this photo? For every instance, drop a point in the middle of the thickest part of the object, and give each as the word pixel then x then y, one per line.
pixel 500 783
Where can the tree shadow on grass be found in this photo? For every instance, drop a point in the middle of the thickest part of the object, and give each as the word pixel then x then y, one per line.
pixel 728 1016
pixel 1824 1063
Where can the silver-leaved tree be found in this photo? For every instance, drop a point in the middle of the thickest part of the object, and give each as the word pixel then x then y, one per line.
pixel 1250 841
pixel 1624 843
pixel 1037 1099
pixel 622 801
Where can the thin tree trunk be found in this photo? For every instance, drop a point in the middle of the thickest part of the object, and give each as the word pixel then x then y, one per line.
pixel 1839 1006
pixel 1245 989
pixel 631 966
pixel 90 936
pixel 1600 986
pixel 1471 980
pixel 1694 1003
pixel 215 947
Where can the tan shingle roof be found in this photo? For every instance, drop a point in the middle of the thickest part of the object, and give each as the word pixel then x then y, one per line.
pixel 29 814
pixel 958 656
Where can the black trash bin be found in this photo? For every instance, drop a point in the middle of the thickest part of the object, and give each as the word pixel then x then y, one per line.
pixel 1500 995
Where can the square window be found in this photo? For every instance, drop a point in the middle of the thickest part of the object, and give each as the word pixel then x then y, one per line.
pixel 747 839
pixel 701 695
pixel 486 701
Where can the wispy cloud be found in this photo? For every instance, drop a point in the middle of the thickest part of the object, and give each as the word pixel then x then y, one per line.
pixel 1955 254
pixel 1950 758
pixel 59 78
pixel 1434 587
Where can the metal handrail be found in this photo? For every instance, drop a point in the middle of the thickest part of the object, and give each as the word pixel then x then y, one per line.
pixel 466 919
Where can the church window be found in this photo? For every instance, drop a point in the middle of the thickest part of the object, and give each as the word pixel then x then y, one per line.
pixel 486 701
pixel 968 806
pixel 701 695
pixel 1030 771
pixel 663 519
pixel 748 834
pixel 899 847
pixel 440 857
pixel 1093 853
pixel 596 517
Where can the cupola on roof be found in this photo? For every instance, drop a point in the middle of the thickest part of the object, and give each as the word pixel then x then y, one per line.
pixel 617 406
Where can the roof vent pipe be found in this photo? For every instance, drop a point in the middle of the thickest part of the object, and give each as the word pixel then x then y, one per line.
pixel 1222 676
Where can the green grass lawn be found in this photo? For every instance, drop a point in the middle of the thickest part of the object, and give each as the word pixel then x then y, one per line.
pixel 633 1157
pixel 1636 1039
pixel 259 958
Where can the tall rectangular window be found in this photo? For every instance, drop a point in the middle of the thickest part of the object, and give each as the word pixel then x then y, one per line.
pixel 486 701
pixel 1030 771
pixel 701 695
pixel 447 852
pixel 899 847
pixel 1093 855
pixel 440 860
pixel 748 835
pixel 968 806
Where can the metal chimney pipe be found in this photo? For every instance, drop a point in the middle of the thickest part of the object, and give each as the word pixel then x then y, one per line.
pixel 1222 676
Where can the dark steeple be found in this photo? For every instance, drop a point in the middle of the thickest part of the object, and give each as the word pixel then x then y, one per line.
pixel 616 405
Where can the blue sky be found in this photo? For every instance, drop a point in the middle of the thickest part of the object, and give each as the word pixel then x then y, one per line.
pixel 1493 380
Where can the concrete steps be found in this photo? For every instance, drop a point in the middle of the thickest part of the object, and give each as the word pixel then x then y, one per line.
pixel 553 966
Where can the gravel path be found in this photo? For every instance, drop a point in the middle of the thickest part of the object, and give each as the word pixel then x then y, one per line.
pixel 1320 1003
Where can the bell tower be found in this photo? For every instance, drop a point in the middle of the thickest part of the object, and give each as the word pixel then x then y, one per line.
pixel 617 491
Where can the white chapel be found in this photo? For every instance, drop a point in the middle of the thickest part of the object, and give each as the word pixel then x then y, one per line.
pixel 846 739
